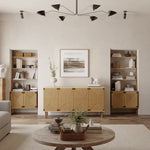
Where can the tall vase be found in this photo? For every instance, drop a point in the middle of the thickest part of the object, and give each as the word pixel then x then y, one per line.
pixel 77 128
pixel 53 80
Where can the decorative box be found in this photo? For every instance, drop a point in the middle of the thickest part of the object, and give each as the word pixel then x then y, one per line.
pixel 17 54
pixel 27 54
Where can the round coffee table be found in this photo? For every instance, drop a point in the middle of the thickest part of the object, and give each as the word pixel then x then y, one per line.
pixel 45 137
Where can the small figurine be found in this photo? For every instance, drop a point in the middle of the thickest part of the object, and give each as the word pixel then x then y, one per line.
pixel 91 80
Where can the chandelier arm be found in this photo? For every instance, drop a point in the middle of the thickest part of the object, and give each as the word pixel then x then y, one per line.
pixel 83 10
pixel 100 11
pixel 52 11
pixel 77 7
pixel 68 9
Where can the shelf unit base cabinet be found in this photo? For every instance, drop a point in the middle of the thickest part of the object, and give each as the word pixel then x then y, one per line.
pixel 23 100
pixel 124 99
pixel 67 99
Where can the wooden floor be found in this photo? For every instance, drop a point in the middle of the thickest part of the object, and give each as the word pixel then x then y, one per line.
pixel 113 119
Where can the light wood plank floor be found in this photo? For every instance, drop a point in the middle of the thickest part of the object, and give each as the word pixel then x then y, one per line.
pixel 113 119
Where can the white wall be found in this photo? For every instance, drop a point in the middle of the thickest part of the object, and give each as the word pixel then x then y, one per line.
pixel 48 35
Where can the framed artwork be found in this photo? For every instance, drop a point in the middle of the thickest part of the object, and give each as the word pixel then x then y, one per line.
pixel 74 62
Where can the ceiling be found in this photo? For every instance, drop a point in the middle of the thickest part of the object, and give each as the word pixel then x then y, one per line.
pixel 14 6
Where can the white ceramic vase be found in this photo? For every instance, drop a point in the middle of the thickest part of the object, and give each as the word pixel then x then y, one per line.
pixel 53 80
pixel 77 128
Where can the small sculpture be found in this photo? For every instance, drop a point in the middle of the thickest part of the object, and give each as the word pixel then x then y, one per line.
pixel 117 86
pixel 96 81
pixel 3 70
pixel 131 63
pixel 91 80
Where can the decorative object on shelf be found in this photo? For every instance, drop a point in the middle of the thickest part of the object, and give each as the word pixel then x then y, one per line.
pixel 117 86
pixel 27 87
pixel 18 54
pixel 74 63
pixel 53 69
pixel 116 64
pixel 27 54
pixel 116 55
pixel 18 63
pixel 22 74
pixel 128 54
pixel 3 70
pixel 117 76
pixel 129 88
pixel 16 85
pixel 131 76
pixel 35 63
pixel 131 63
pixel 77 118
pixel 113 87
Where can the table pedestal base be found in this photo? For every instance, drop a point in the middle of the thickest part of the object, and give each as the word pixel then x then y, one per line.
pixel 74 148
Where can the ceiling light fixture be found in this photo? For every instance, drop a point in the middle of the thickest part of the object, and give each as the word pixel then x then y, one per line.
pixel 76 13
pixel 56 6
pixel 41 12
pixel 21 14
pixel 125 14
pixel 93 18
pixel 62 18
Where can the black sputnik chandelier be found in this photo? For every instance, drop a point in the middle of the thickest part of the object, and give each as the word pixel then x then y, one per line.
pixel 63 14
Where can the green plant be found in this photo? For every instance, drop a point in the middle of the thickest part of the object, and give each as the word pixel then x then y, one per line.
pixel 52 68
pixel 77 117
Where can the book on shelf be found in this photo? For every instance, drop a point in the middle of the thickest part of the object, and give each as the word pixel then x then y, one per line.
pixel 18 63
pixel 17 75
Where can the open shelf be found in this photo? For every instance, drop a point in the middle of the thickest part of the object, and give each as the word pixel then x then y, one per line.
pixel 124 90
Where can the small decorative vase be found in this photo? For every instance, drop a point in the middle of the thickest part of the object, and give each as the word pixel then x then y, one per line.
pixel 58 120
pixel 77 128
pixel 53 80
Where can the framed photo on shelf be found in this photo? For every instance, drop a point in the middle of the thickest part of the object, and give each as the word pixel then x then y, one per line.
pixel 74 63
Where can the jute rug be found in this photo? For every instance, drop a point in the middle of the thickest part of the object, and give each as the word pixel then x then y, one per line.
pixel 128 137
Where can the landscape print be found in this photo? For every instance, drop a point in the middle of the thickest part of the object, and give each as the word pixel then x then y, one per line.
pixel 74 63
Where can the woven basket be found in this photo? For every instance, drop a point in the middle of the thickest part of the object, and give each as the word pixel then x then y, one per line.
pixel 72 136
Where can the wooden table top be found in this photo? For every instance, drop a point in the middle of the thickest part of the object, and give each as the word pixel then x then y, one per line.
pixel 45 137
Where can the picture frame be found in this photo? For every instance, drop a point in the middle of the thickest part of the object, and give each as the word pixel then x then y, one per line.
pixel 74 63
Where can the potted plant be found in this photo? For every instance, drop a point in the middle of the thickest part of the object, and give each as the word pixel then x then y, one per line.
pixel 53 69
pixel 77 118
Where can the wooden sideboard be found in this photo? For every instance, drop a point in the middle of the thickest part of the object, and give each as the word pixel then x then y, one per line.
pixel 67 99
pixel 2 89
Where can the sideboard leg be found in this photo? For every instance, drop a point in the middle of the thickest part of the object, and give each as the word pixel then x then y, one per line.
pixel 73 148
pixel 46 114
pixel 87 148
pixel 101 115
pixel 59 148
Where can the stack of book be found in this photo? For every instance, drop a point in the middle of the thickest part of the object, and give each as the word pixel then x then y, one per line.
pixel 18 63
